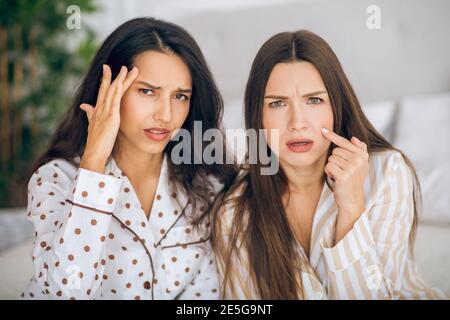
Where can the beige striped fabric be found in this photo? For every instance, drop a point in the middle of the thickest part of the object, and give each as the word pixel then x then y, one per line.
pixel 372 261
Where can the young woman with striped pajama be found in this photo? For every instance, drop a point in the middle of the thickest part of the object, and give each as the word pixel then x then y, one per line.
pixel 337 220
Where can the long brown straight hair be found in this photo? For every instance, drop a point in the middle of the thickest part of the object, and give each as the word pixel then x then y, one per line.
pixel 259 222
pixel 121 47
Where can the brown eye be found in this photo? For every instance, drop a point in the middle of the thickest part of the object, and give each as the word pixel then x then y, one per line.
pixel 181 97
pixel 148 92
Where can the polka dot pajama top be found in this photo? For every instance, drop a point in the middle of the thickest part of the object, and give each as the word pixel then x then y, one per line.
pixel 94 241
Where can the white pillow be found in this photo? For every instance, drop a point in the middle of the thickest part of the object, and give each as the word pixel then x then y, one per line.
pixel 423 134
pixel 381 115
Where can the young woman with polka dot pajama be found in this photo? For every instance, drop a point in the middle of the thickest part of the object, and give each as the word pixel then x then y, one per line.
pixel 114 217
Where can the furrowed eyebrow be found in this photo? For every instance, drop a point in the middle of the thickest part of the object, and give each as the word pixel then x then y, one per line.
pixel 184 90
pixel 276 97
pixel 148 85
pixel 151 86
pixel 314 93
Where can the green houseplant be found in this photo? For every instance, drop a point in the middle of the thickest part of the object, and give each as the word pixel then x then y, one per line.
pixel 42 57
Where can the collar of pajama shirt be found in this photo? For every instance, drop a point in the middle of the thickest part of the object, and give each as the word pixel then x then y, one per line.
pixel 166 235
pixel 313 279
pixel 162 257
pixel 314 285
pixel 322 229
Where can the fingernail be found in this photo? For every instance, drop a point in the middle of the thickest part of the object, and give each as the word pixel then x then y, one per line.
pixel 104 68
pixel 325 130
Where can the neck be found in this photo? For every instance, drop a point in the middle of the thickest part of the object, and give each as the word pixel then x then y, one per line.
pixel 137 165
pixel 305 179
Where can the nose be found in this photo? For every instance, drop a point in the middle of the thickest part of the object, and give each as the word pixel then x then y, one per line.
pixel 163 112
pixel 297 118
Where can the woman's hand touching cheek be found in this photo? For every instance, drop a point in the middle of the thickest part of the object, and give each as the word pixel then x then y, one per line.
pixel 348 166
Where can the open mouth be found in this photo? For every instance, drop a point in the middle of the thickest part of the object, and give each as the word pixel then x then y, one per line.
pixel 300 145
pixel 157 131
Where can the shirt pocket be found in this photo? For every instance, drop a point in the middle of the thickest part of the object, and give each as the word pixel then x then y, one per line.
pixel 183 251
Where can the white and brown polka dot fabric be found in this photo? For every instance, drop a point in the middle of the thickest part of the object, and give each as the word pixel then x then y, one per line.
pixel 93 240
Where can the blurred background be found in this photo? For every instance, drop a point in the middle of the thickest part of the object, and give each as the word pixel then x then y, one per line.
pixel 395 55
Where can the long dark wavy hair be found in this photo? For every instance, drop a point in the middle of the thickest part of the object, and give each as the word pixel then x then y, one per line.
pixel 206 105
pixel 259 224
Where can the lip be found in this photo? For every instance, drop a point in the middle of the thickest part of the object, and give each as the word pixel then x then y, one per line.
pixel 300 145
pixel 156 133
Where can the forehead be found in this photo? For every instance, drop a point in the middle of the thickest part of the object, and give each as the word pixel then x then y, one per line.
pixel 300 75
pixel 163 69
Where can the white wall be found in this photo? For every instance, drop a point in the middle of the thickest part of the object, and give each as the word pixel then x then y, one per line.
pixel 409 55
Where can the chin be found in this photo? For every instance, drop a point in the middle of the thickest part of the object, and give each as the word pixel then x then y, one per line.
pixel 153 147
pixel 299 159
